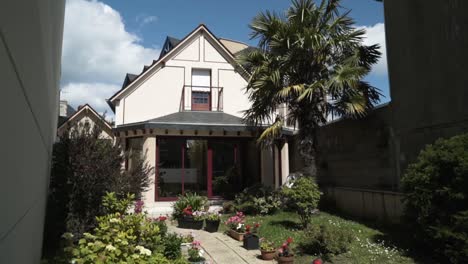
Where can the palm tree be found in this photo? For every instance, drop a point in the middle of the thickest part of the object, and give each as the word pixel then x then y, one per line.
pixel 311 60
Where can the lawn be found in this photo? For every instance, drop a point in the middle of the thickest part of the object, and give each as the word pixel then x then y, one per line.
pixel 365 248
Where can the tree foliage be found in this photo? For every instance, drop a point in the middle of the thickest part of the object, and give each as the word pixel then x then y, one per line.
pixel 303 197
pixel 85 167
pixel 436 201
pixel 311 60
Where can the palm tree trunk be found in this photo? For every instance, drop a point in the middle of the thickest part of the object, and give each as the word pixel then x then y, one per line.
pixel 308 146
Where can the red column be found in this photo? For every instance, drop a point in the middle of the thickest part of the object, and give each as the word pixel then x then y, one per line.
pixel 209 171
pixel 183 166
pixel 156 172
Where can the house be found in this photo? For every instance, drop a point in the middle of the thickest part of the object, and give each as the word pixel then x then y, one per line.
pixel 30 54
pixel 184 112
pixel 85 115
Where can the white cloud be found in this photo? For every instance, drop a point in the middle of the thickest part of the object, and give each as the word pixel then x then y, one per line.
pixel 376 35
pixel 98 51
pixel 89 93
pixel 144 19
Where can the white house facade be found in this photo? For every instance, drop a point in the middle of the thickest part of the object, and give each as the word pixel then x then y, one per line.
pixel 184 112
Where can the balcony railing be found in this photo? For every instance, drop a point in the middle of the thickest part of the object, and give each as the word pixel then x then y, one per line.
pixel 201 98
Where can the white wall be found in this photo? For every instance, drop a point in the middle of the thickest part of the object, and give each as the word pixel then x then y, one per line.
pixel 160 92
pixel 91 119
pixel 30 54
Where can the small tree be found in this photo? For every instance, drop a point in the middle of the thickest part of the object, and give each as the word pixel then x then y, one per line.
pixel 436 197
pixel 85 167
pixel 303 197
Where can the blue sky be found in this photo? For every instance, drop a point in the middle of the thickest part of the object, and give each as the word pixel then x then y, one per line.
pixel 105 39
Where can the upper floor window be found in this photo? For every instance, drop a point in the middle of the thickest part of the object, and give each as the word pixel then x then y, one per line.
pixel 201 89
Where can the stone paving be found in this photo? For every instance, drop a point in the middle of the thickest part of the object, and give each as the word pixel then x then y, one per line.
pixel 221 248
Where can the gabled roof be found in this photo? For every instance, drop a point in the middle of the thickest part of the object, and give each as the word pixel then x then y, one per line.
pixel 161 60
pixel 88 109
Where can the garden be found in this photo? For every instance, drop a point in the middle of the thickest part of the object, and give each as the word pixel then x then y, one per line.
pixel 287 226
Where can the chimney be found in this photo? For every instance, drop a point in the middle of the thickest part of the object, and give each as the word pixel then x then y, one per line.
pixel 63 108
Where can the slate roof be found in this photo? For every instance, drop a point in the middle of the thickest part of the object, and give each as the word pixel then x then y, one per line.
pixel 173 41
pixel 208 120
pixel 201 120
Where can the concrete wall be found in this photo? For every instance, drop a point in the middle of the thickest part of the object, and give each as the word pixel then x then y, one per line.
pixel 428 60
pixel 358 152
pixel 161 90
pixel 30 54
pixel 368 204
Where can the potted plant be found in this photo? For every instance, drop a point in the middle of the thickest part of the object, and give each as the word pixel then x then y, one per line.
pixel 212 220
pixel 285 256
pixel 236 226
pixel 184 208
pixel 186 243
pixel 195 253
pixel 251 240
pixel 198 220
pixel 267 249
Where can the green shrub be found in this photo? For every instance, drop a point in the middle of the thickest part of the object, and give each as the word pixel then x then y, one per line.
pixel 302 197
pixel 172 244
pixel 85 167
pixel 327 239
pixel 436 197
pixel 112 204
pixel 229 207
pixel 118 238
pixel 257 199
pixel 193 200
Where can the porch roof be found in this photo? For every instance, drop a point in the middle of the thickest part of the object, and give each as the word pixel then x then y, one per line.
pixel 196 120
pixel 189 120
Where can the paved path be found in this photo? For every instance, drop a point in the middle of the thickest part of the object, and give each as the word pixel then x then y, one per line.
pixel 221 248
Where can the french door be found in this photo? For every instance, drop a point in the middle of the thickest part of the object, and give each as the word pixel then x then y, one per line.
pixel 196 165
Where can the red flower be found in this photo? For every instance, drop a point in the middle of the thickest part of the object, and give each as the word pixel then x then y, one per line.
pixel 284 246
pixel 317 261
pixel 289 240
pixel 187 210
pixel 257 225
pixel 162 218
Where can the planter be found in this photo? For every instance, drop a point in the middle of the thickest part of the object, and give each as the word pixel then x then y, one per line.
pixel 184 247
pixel 237 236
pixel 197 262
pixel 268 255
pixel 251 241
pixel 190 223
pixel 286 260
pixel 211 225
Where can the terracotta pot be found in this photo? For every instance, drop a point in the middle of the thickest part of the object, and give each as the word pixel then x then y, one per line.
pixel 286 260
pixel 236 235
pixel 268 255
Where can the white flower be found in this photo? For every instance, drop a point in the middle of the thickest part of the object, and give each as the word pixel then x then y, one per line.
pixel 201 252
pixel 143 250
pixel 110 247
pixel 67 235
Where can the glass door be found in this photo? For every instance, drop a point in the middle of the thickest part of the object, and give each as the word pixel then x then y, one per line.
pixel 182 167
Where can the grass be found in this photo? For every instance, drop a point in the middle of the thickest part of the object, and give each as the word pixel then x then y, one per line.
pixel 365 248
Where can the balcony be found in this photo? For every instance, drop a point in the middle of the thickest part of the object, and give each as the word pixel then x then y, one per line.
pixel 201 98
